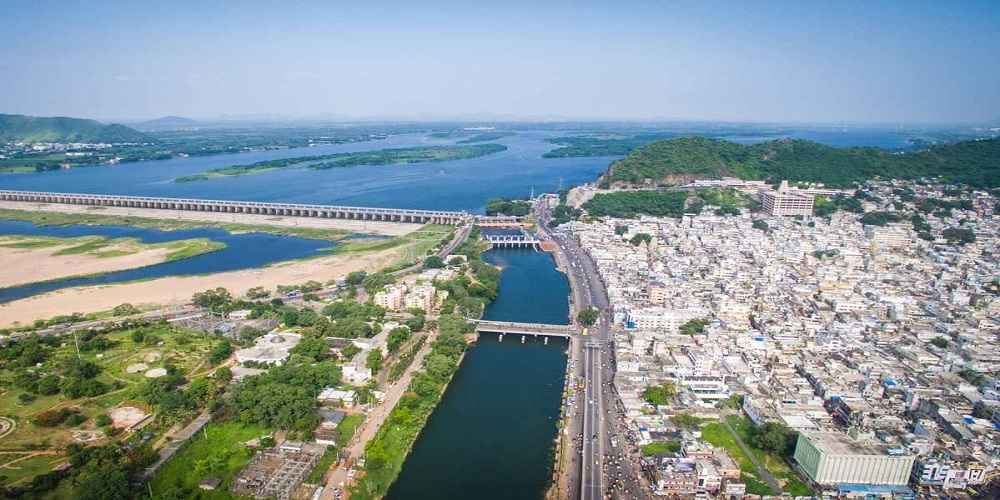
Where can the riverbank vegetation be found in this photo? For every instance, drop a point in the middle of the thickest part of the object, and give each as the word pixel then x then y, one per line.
pixel 485 137
pixel 679 160
pixel 508 206
pixel 396 156
pixel 104 247
pixel 586 146
pixel 629 204
pixel 385 453
pixel 219 451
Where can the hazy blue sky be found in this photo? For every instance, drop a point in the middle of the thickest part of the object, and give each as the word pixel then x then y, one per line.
pixel 866 61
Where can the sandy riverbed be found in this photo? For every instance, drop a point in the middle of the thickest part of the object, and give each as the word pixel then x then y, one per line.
pixel 357 226
pixel 179 289
pixel 20 266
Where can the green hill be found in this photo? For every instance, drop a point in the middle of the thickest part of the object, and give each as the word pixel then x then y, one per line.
pixel 675 161
pixel 21 128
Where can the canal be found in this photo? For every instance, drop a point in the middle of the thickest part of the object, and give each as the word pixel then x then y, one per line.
pixel 492 435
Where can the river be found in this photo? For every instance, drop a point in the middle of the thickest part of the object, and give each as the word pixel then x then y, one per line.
pixel 243 251
pixel 449 185
pixel 492 435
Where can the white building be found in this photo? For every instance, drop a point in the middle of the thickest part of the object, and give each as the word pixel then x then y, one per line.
pixel 271 349
pixel 787 201
pixel 391 298
pixel 831 458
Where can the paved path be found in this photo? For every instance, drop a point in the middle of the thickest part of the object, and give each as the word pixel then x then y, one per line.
pixel 761 470
pixel 374 420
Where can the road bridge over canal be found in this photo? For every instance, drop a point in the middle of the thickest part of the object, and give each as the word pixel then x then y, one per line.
pixel 537 329
pixel 244 207
pixel 511 240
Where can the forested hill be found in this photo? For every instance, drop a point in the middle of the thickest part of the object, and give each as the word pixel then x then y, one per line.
pixel 21 128
pixel 676 161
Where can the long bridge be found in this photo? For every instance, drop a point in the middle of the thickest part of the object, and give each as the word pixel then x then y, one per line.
pixel 535 329
pixel 244 207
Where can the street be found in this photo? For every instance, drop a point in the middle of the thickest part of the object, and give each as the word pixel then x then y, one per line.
pixel 609 459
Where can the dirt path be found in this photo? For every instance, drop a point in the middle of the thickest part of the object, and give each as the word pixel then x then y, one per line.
pixel 374 420
pixel 761 470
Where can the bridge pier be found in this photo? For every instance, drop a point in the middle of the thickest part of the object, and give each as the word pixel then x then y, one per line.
pixel 225 206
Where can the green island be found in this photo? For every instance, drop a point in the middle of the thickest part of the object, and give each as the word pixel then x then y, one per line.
pixel 587 146
pixel 105 247
pixel 396 156
pixel 676 161
pixel 485 137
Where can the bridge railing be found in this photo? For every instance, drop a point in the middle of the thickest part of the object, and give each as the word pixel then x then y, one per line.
pixel 262 204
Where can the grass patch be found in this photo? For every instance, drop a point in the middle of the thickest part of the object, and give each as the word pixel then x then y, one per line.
pixel 775 464
pixel 328 458
pixel 347 427
pixel 660 448
pixel 217 451
pixel 717 435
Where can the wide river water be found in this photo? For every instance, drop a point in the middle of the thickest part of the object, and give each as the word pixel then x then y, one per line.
pixel 243 251
pixel 449 185
pixel 492 435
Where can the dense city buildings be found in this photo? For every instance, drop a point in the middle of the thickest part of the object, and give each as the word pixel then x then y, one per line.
pixel 869 337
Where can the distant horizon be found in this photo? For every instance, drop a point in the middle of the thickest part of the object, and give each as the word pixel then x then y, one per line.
pixel 320 119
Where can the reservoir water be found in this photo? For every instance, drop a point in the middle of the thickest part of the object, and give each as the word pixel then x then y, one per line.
pixel 450 185
pixel 243 251
pixel 492 435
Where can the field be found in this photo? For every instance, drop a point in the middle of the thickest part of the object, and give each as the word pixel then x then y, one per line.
pixel 774 464
pixel 217 452
pixel 718 435
pixel 183 349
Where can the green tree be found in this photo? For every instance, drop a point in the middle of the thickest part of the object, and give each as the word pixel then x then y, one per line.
pixel 313 348
pixel 694 327
pixel 125 310
pixel 221 352
pixel 356 278
pixel 640 238
pixel 587 317
pixel 940 342
pixel 374 360
pixel 761 225
pixel 396 338
pixel 959 236
pixel 774 437
pixel 661 394
pixel 433 262
pixel 214 300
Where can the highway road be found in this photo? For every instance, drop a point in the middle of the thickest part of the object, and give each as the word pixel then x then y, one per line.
pixel 609 461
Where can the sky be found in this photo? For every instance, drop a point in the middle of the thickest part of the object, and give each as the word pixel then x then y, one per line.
pixel 904 62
